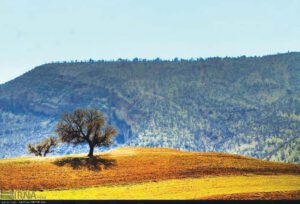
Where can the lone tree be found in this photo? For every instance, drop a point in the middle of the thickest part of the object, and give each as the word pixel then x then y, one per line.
pixel 86 125
pixel 43 148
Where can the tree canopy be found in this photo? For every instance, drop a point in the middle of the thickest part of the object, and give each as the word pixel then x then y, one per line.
pixel 86 125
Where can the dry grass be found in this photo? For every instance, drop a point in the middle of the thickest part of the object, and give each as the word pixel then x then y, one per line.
pixel 127 166
pixel 277 195
pixel 190 188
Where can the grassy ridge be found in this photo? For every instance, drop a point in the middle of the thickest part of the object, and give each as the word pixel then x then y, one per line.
pixel 147 173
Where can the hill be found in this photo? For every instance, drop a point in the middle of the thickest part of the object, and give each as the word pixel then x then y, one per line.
pixel 245 105
pixel 156 173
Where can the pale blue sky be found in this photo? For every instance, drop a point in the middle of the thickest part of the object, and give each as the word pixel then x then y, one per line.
pixel 33 32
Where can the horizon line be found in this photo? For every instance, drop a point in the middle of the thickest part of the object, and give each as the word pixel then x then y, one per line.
pixel 137 59
pixel 164 59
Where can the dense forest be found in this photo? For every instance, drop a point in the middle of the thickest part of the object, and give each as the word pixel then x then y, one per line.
pixel 243 105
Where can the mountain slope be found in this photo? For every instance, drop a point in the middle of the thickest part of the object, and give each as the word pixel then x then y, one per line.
pixel 242 105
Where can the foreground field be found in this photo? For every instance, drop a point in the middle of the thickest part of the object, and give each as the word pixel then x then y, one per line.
pixel 276 195
pixel 151 173
pixel 195 188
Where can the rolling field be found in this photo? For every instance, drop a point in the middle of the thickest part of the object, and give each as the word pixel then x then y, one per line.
pixel 152 173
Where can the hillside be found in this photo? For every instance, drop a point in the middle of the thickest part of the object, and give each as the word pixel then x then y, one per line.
pixel 129 173
pixel 245 105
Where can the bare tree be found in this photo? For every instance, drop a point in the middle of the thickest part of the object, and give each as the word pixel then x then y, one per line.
pixel 43 148
pixel 86 125
pixel 48 144
pixel 35 149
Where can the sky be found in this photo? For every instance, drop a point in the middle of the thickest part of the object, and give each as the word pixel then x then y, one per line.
pixel 34 32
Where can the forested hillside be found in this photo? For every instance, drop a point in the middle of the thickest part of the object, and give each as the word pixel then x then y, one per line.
pixel 244 105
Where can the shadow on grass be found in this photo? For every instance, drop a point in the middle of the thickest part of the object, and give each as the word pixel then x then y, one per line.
pixel 94 163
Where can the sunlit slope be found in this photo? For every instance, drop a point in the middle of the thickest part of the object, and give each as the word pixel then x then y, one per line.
pixel 129 166
pixel 190 188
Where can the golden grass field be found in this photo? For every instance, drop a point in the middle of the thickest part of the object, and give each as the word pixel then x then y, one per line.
pixel 152 173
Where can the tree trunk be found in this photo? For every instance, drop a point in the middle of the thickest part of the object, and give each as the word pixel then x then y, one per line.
pixel 91 153
pixel 46 152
